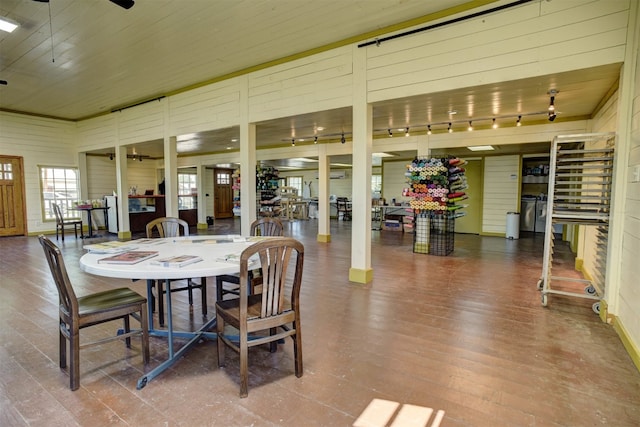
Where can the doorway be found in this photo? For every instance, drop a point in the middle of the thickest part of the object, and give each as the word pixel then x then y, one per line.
pixel 12 208
pixel 472 221
pixel 222 193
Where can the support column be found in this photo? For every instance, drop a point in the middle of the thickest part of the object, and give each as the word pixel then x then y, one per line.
pixel 122 184
pixel 202 198
pixel 361 271
pixel 324 233
pixel 171 176
pixel 248 160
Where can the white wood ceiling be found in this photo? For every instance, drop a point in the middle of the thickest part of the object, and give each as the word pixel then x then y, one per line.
pixel 103 57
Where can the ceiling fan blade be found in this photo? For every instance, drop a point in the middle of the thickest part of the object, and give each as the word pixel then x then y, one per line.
pixel 127 4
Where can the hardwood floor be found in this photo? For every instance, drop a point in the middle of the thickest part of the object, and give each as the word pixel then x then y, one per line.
pixel 464 334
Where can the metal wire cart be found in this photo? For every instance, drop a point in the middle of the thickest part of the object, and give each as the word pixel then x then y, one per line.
pixel 436 186
pixel 580 176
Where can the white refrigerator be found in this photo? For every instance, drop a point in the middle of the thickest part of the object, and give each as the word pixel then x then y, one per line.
pixel 112 213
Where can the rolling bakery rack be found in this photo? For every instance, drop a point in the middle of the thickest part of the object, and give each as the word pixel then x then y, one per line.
pixel 580 177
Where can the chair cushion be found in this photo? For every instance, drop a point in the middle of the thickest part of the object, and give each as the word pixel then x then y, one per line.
pixel 254 307
pixel 107 299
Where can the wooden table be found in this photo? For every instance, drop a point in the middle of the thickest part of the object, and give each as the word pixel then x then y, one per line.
pixel 89 210
pixel 211 248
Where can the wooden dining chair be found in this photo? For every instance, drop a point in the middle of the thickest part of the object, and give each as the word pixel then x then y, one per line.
pixel 174 227
pixel 76 313
pixel 260 227
pixel 270 311
pixel 61 222
pixel 344 208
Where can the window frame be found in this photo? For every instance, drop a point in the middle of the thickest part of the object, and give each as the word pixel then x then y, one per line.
pixel 53 187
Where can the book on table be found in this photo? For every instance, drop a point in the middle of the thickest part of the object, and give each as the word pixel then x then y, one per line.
pixel 129 257
pixel 112 247
pixel 177 261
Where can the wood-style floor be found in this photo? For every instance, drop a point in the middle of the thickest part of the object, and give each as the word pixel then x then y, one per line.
pixel 464 335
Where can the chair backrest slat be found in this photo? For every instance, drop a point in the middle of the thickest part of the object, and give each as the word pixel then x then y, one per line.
pixel 274 256
pixel 67 296
pixel 168 227
pixel 267 227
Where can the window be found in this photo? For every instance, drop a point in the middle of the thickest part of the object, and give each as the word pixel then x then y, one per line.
pixel 6 172
pixel 61 186
pixel 186 187
pixel 376 184
pixel 295 182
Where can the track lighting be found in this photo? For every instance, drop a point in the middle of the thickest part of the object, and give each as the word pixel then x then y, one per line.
pixel 428 129
pixel 390 133
pixel 470 128
pixel 110 156
pixel 495 125
pixel 406 133
pixel 315 139
pixel 293 142
pixel 342 140
pixel 450 130
pixel 552 107
pixel 519 122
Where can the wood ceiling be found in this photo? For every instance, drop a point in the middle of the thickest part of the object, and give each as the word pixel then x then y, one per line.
pixel 103 57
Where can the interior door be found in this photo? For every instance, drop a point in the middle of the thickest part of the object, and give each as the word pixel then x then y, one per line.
pixel 12 209
pixel 472 221
pixel 222 193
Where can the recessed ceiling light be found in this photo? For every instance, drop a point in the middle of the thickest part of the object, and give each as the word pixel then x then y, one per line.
pixel 234 139
pixel 381 155
pixel 481 148
pixel 304 159
pixel 320 128
pixel 229 148
pixel 7 25
pixel 452 112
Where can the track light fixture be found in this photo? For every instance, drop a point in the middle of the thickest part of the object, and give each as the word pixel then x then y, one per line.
pixel 293 142
pixel 342 140
pixel 449 129
pixel 428 129
pixel 495 125
pixel 552 107
pixel 470 128
pixel 315 139
pixel 406 133
pixel 519 122
pixel 390 133
pixel 127 4
pixel 110 156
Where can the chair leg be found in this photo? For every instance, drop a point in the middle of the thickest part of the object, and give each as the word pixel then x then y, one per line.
pixel 144 325
pixel 273 345
pixel 190 291
pixel 63 351
pixel 127 329
pixel 220 343
pixel 297 348
pixel 203 295
pixel 74 359
pixel 219 283
pixel 244 364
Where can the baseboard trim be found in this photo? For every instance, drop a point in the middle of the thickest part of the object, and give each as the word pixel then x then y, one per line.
pixel 627 342
pixel 324 238
pixel 360 276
